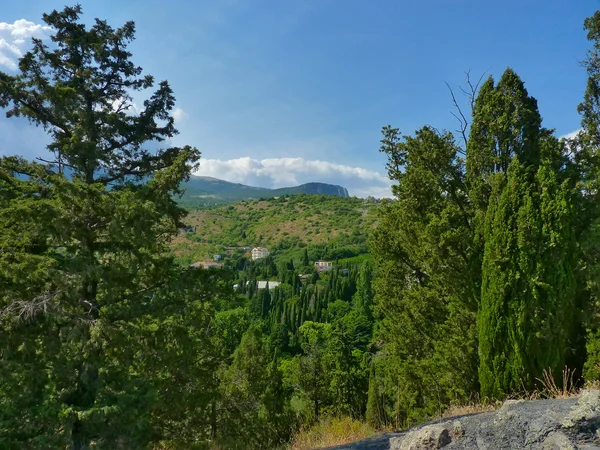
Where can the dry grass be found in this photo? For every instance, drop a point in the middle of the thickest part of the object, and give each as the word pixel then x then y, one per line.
pixel 469 408
pixel 548 388
pixel 331 432
pixel 567 389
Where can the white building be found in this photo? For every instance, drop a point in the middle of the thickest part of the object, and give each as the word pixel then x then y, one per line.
pixel 270 284
pixel 207 265
pixel 262 284
pixel 259 252
pixel 322 266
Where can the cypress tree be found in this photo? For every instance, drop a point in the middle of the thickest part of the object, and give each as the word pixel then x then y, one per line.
pixel 586 146
pixel 527 287
pixel 502 318
pixel 363 299
pixel 375 416
pixel 506 123
pixel 265 302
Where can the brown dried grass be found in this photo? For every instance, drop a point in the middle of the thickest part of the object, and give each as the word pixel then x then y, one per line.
pixel 567 389
pixel 331 432
pixel 469 408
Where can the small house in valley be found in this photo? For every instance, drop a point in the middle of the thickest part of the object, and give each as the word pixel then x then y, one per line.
pixel 259 252
pixel 322 266
pixel 267 284
pixel 260 284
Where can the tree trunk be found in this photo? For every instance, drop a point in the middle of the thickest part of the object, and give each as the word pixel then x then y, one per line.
pixel 78 439
pixel 213 420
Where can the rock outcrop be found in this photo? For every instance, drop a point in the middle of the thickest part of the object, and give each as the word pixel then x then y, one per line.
pixel 571 423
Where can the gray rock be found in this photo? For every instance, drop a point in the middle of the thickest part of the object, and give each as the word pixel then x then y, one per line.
pixel 587 408
pixel 557 441
pixel 571 423
pixel 430 436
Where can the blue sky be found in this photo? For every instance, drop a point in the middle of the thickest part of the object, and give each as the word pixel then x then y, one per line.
pixel 281 92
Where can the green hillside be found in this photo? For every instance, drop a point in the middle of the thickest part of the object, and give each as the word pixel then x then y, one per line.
pixel 339 223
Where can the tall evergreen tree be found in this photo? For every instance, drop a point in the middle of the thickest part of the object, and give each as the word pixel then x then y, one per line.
pixel 506 123
pixel 526 309
pixel 314 374
pixel 586 155
pixel 363 299
pixel 255 405
pixel 528 288
pixel 424 288
pixel 305 258
pixel 107 203
pixel 375 413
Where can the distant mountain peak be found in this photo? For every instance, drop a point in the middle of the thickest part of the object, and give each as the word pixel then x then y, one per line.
pixel 328 189
pixel 202 190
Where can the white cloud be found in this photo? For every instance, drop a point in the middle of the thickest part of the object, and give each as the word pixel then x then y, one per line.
pixel 179 115
pixel 126 105
pixel 280 172
pixel 571 135
pixel 16 37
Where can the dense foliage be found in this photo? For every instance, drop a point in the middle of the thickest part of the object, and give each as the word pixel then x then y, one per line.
pixel 481 272
pixel 486 260
pixel 88 290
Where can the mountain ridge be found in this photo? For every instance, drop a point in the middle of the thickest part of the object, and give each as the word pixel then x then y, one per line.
pixel 203 191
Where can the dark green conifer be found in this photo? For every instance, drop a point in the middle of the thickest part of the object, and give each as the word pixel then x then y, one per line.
pixel 375 413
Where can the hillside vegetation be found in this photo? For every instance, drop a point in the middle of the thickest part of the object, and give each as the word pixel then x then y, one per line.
pixel 341 223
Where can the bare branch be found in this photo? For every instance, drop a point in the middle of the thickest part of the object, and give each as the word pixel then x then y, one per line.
pixel 91 307
pixel 29 309
pixel 464 91
pixel 39 158
pixel 462 120
pixel 471 93
pixel 474 88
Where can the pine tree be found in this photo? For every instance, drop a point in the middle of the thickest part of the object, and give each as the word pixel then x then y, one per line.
pixel 104 275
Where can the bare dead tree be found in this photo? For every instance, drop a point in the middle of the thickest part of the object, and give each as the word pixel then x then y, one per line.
pixel 470 92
